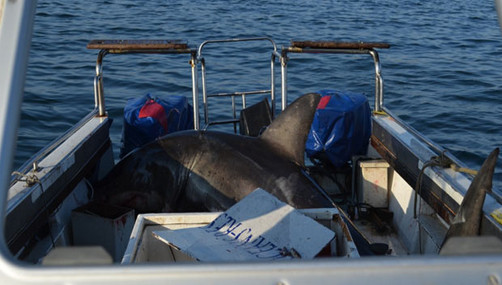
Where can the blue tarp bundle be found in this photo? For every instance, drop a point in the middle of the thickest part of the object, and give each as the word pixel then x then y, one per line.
pixel 148 118
pixel 341 127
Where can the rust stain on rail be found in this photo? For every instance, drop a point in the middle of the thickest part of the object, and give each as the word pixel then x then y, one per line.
pixel 337 45
pixel 137 44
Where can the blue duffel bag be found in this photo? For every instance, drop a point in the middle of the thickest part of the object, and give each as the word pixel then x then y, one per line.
pixel 341 128
pixel 148 118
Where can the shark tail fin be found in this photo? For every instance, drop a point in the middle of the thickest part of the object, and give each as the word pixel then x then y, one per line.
pixel 289 131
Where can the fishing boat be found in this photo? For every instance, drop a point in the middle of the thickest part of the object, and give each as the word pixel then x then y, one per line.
pixel 401 196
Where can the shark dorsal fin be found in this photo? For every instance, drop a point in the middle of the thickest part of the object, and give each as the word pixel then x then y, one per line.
pixel 289 131
pixel 467 221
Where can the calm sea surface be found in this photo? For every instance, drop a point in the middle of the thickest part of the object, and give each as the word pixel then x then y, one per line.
pixel 443 72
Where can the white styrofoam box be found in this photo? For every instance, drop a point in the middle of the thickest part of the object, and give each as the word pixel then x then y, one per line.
pixel 260 227
pixel 373 183
pixel 144 247
pixel 104 225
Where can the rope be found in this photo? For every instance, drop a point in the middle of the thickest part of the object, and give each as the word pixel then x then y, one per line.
pixel 456 168
pixel 382 113
pixel 30 178
pixel 441 161
pixel 90 188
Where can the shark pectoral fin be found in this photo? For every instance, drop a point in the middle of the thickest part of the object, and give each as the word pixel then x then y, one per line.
pixel 288 132
pixel 467 221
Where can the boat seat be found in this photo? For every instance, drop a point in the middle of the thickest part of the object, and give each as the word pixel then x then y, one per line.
pixel 255 118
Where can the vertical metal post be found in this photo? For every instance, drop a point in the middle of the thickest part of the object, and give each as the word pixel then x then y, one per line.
pixel 99 97
pixel 234 113
pixel 272 83
pixel 243 99
pixel 204 91
pixel 195 91
pixel 378 82
pixel 284 83
pixel 16 28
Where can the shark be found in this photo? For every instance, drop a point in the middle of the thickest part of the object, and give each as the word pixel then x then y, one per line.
pixel 211 170
pixel 198 171
pixel 195 171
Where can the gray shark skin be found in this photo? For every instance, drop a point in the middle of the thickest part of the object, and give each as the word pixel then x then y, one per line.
pixel 467 221
pixel 210 171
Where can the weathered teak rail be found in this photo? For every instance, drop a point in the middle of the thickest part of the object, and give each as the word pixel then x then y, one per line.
pixel 129 46
pixel 337 45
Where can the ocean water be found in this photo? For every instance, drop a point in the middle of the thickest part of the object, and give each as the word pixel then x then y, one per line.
pixel 442 74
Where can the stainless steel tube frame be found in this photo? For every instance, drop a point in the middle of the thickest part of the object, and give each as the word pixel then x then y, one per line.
pixel 195 91
pixel 141 46
pixel 99 97
pixel 205 96
pixel 372 52
pixel 284 81
pixel 378 81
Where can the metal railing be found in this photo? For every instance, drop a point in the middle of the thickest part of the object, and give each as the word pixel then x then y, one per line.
pixel 178 47
pixel 141 46
pixel 233 95
pixel 323 47
pixel 196 56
